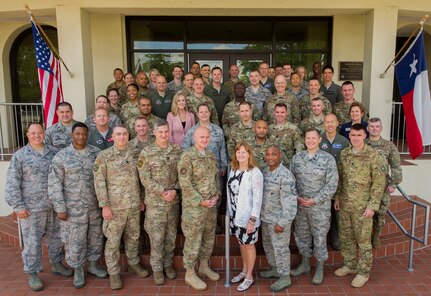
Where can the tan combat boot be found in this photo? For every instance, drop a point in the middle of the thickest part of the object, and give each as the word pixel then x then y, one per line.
pixel 344 270
pixel 158 277
pixel 138 270
pixel 359 280
pixel 194 281
pixel 170 272
pixel 205 270
pixel 115 282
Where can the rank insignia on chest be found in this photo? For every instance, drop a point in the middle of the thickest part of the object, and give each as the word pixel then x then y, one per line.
pixel 140 163
pixel 96 167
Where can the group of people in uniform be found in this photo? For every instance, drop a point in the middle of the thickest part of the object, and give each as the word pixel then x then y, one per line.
pixel 86 186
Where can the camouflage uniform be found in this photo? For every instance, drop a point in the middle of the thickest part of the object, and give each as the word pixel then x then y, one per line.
pixel 174 88
pixel 305 106
pixel 288 137
pixel 220 98
pixel 362 182
pixel 230 84
pixel 293 112
pixel 259 152
pixel 231 116
pixel 136 146
pixel 158 172
pixel 257 98
pixel 193 102
pixel 113 121
pixel 130 123
pixel 198 178
pixel 217 143
pixel 71 190
pixel 342 111
pixel 114 85
pixel 58 135
pixel 300 94
pixel 186 91
pixel 115 111
pixel 278 207
pixel 129 111
pixel 390 153
pixel 312 122
pixel 239 133
pixel 27 189
pixel 116 182
pixel 317 178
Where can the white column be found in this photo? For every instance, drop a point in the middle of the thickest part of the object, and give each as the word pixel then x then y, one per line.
pixel 74 39
pixel 380 40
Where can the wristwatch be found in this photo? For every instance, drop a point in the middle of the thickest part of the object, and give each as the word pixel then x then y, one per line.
pixel 253 219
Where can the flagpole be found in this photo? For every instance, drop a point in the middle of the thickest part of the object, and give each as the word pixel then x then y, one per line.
pixel 47 40
pixel 421 23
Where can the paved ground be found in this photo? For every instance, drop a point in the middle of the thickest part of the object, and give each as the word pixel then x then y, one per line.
pixel 389 277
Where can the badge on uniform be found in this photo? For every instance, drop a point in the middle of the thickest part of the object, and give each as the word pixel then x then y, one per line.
pixel 183 171
pixel 96 167
pixel 324 146
pixel 99 141
pixel 337 146
pixel 140 163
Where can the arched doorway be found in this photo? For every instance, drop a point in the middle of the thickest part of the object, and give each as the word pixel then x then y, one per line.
pixel 25 83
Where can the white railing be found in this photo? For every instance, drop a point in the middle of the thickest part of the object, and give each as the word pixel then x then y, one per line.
pixel 398 129
pixel 14 119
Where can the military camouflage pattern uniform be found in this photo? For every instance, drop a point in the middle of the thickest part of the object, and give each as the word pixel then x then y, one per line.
pixel 231 116
pixel 116 182
pixel 312 122
pixel 130 123
pixel 389 152
pixel 257 98
pixel 278 207
pixel 27 189
pixel 288 137
pixel 136 146
pixel 216 145
pixel 193 102
pixel 239 133
pixel 71 190
pixel 113 121
pixel 305 106
pixel 259 152
pixel 186 91
pixel 293 111
pixel 174 88
pixel 58 135
pixel 317 178
pixel 198 177
pixel 300 94
pixel 362 182
pixel 129 111
pixel 114 85
pixel 341 110
pixel 158 172
pixel 230 84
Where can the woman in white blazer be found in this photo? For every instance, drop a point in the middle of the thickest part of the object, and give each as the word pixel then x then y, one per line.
pixel 244 196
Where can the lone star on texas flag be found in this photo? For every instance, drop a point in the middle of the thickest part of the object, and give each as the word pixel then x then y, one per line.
pixel 413 65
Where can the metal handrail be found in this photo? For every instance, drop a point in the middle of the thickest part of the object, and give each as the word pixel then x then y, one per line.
pixel 413 225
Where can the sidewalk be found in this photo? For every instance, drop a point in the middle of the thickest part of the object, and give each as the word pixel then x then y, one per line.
pixel 389 277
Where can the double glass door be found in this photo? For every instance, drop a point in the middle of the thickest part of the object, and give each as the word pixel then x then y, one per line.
pixel 246 62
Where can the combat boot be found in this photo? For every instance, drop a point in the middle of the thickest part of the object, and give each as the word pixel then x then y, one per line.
pixel 138 270
pixel 78 277
pixel 318 275
pixel 282 283
pixel 158 277
pixel 170 272
pixel 60 269
pixel 194 281
pixel 303 268
pixel 95 270
pixel 35 282
pixel 359 280
pixel 344 270
pixel 115 282
pixel 270 273
pixel 205 270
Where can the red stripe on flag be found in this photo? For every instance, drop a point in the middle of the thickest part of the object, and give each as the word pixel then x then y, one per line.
pixel 413 134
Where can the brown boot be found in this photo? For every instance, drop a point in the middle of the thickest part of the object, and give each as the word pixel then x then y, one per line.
pixel 115 282
pixel 170 272
pixel 138 270
pixel 205 270
pixel 158 277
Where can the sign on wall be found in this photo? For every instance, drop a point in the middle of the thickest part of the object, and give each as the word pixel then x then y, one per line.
pixel 351 70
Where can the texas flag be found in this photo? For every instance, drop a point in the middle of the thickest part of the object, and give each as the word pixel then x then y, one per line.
pixel 412 77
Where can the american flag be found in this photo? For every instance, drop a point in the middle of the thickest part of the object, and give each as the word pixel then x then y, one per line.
pixel 49 71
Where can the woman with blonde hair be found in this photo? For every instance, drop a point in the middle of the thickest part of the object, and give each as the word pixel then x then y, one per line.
pixel 153 77
pixel 180 119
pixel 244 196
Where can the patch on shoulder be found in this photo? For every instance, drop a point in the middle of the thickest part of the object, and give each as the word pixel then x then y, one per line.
pixel 183 171
pixel 96 167
pixel 140 163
